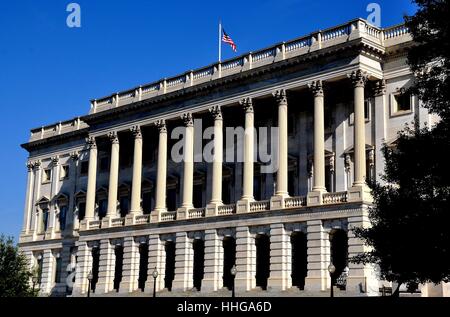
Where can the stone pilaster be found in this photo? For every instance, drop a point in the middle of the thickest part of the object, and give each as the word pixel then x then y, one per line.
pixel 137 172
pixel 105 282
pixel 92 179
pixel 84 266
pixel 156 259
pixel 188 167
pixel 213 280
pixel 184 261
pixel 48 270
pixel 318 257
pixel 280 258
pixel 37 191
pixel 381 110
pixel 130 268
pixel 245 260
pixel 27 213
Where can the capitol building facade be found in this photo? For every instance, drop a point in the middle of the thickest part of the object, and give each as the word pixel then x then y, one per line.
pixel 294 131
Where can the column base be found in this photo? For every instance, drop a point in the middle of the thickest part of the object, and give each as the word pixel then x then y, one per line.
pixel 314 198
pixel 182 212
pixel 315 284
pixel 277 201
pixel 84 224
pixel 359 193
pixel 278 283
pixel 243 205
pixel 130 219
pixel 106 222
pixel 212 209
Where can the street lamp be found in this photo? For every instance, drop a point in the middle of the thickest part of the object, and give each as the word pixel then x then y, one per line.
pixel 155 276
pixel 34 279
pixel 89 277
pixel 233 273
pixel 331 269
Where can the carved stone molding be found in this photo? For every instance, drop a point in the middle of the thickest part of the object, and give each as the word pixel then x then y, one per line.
pixel 260 230
pixel 161 125
pixel 227 232
pixel 379 88
pixel 188 120
pixel 358 78
pixel 280 96
pixel 216 112
pixel 295 227
pixel 113 137
pixel 136 131
pixel 55 160
pixel 75 155
pixel 316 88
pixel 91 144
pixel 247 104
pixel 196 235
pixel 30 166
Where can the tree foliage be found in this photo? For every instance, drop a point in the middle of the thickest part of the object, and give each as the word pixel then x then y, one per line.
pixel 410 236
pixel 14 273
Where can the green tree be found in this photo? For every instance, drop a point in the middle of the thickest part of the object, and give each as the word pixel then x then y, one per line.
pixel 14 272
pixel 410 238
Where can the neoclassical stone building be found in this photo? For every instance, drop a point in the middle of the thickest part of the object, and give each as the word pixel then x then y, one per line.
pixel 106 199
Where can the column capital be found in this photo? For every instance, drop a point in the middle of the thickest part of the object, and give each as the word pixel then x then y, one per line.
pixel 30 166
pixel 136 131
pixel 316 88
pixel 37 165
pixel 280 96
pixel 90 141
pixel 75 155
pixel 379 88
pixel 55 160
pixel 188 121
pixel 216 112
pixel 358 78
pixel 113 137
pixel 161 125
pixel 247 104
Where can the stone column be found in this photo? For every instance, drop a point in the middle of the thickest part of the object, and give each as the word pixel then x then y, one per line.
pixel 280 258
pixel 106 268
pixel 361 278
pixel 161 176
pixel 84 266
pixel 216 195
pixel 281 191
pixel 113 177
pixel 318 257
pixel 380 126
pixel 245 260
pixel 48 270
pixel 184 262
pixel 315 197
pixel 130 269
pixel 92 179
pixel 54 224
pixel 156 259
pixel 188 169
pixel 359 190
pixel 212 280
pixel 28 200
pixel 70 221
pixel 247 196
pixel 137 172
pixel 36 192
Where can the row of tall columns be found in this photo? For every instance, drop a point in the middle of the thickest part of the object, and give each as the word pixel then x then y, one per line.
pixel 358 79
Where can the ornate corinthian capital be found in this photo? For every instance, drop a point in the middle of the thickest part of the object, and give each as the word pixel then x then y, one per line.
pixel 216 112
pixel 30 166
pixel 161 125
pixel 90 142
pixel 55 160
pixel 316 88
pixel 358 78
pixel 136 131
pixel 379 87
pixel 188 121
pixel 113 137
pixel 280 96
pixel 75 155
pixel 247 104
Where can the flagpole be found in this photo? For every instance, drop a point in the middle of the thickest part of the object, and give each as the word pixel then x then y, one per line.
pixel 220 39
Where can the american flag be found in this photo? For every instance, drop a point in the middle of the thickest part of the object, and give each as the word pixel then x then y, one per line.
pixel 227 39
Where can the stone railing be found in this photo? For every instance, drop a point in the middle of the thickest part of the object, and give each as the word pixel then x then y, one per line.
pixel 57 129
pixel 117 222
pixel 357 28
pixel 196 213
pixel 95 224
pixel 142 219
pixel 259 205
pixel 226 209
pixel 334 198
pixel 168 216
pixel 293 202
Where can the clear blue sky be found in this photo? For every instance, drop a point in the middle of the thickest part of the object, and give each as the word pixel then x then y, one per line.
pixel 49 72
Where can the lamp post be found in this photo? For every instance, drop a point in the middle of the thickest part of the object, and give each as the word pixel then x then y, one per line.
pixel 89 277
pixel 155 276
pixel 34 279
pixel 331 269
pixel 233 273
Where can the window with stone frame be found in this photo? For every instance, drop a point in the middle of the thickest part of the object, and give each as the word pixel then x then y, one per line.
pixel 58 268
pixel 47 175
pixel 84 168
pixel 64 172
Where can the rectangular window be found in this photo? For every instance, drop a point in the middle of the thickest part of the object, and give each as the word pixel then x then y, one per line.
pixel 62 217
pixel 104 164
pixel 172 199
pixel 81 210
pixel 401 103
pixel 47 175
pixel 102 208
pixel 367 109
pixel 58 269
pixel 64 171
pixel 84 167
pixel 124 205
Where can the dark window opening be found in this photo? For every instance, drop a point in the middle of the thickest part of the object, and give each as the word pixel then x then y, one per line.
pixel 124 206
pixel 147 203
pixel 143 265
pixel 198 196
pixel 118 267
pixel 81 211
pixel 229 259
pixel 95 267
pixel 299 259
pixel 262 260
pixel 84 168
pixel 58 268
pixel 172 199
pixel 170 264
pixel 102 208
pixel 104 164
pixel 199 263
pixel 62 217
pixel 403 102
pixel 339 252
